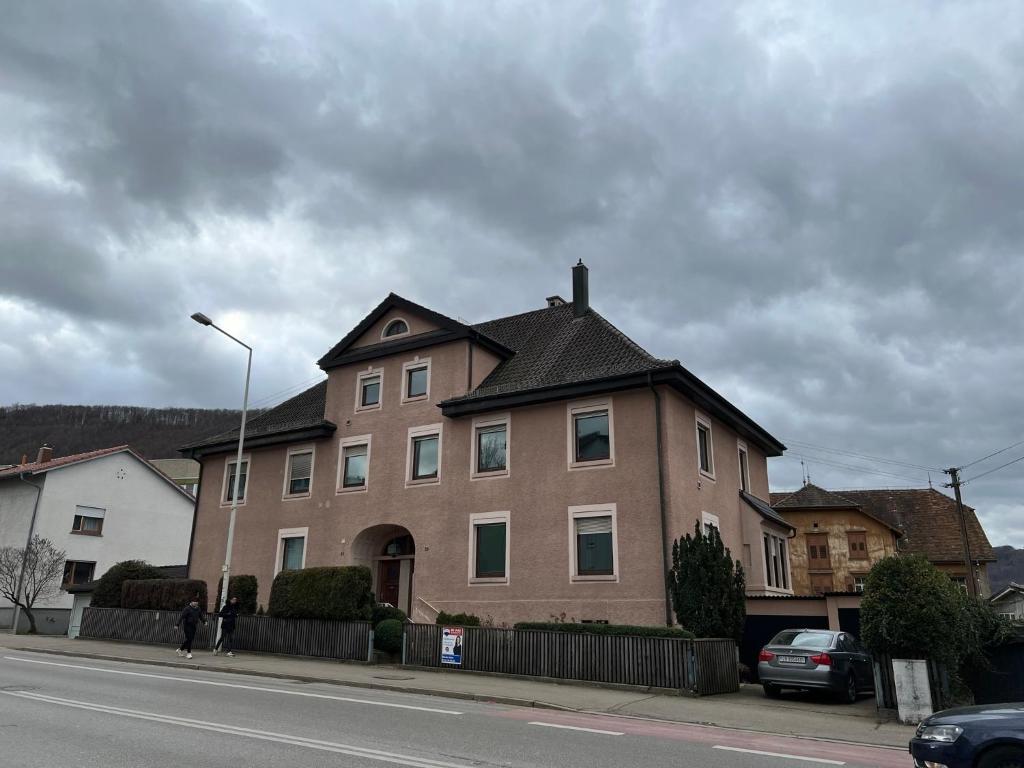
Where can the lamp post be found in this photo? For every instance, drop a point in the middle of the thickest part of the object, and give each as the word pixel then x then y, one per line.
pixel 202 319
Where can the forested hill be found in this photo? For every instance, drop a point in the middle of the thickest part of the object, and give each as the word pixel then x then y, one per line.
pixel 1009 566
pixel 156 433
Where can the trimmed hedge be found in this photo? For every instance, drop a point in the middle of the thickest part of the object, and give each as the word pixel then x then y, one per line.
pixel 245 588
pixel 458 619
pixel 384 612
pixel 607 629
pixel 108 590
pixel 387 636
pixel 162 594
pixel 341 593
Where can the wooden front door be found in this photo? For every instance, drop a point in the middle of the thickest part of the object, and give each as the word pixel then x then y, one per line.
pixel 389 581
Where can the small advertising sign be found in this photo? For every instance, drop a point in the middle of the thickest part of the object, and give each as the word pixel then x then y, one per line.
pixel 451 645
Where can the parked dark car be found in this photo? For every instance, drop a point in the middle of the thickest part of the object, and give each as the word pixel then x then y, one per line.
pixel 989 736
pixel 815 659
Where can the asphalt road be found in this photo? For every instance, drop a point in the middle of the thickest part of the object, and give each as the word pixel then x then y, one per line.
pixel 65 711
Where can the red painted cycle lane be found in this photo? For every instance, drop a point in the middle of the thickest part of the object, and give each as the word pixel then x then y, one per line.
pixel 814 749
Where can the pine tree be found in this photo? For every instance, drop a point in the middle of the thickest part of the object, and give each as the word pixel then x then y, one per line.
pixel 707 586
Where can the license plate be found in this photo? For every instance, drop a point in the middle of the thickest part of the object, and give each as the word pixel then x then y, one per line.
pixel 792 659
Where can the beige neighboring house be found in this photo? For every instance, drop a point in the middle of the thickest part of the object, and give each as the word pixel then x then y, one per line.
pixel 1010 602
pixel 184 472
pixel 531 466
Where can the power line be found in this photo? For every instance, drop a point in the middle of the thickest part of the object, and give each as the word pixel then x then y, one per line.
pixel 284 392
pixel 994 453
pixel 854 467
pixel 989 472
pixel 800 443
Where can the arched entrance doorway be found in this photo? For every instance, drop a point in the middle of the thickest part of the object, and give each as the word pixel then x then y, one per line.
pixel 389 551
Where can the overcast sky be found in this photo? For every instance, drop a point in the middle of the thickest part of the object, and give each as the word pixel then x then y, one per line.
pixel 815 207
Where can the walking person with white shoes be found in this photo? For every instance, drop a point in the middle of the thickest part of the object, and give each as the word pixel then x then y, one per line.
pixel 189 620
pixel 228 616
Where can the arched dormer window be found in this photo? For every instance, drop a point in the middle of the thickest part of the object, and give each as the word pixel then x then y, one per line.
pixel 396 327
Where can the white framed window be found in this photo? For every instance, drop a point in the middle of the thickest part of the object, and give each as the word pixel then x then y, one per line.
pixel 370 389
pixel 489 456
pixel 593 543
pixel 395 329
pixel 298 472
pixel 489 547
pixel 88 521
pixel 228 484
pixel 705 448
pixel 743 458
pixel 710 521
pixel 423 455
pixel 776 561
pixel 416 380
pixel 590 434
pixel 859 582
pixel 291 549
pixel 353 464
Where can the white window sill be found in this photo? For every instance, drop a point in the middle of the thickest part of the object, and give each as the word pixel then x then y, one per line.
pixel 295 496
pixel 227 504
pixel 584 579
pixel 424 481
pixel 489 475
pixel 362 408
pixel 596 464
pixel 489 581
pixel 352 489
pixel 707 475
pixel 417 399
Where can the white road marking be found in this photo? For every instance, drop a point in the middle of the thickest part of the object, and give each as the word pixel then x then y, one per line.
pixel 578 728
pixel 782 755
pixel 221 728
pixel 237 685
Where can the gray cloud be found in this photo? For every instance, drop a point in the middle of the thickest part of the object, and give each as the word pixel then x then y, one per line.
pixel 814 208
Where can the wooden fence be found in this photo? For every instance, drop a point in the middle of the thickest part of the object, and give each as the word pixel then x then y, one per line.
pixel 351 640
pixel 698 666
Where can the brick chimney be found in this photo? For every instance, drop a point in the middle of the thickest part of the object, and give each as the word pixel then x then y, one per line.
pixel 580 289
pixel 44 455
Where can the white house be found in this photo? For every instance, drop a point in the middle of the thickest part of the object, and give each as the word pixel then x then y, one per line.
pixel 1010 602
pixel 100 507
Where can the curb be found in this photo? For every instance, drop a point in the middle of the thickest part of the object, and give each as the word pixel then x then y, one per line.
pixel 487 699
pixel 457 695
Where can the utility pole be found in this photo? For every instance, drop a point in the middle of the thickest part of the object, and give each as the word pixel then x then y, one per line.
pixel 954 483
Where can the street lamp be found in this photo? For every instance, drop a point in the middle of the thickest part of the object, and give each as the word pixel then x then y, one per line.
pixel 202 319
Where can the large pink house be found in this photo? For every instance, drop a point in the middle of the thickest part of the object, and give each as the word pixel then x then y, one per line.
pixel 532 466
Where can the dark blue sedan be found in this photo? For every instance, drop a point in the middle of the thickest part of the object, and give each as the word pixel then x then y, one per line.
pixel 990 736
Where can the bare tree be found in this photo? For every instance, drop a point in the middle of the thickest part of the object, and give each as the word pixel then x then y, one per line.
pixel 28 575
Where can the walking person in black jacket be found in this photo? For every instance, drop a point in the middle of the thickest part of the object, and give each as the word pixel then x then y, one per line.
pixel 228 615
pixel 189 620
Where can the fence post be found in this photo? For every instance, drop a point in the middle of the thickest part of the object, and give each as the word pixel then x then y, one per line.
pixel 405 638
pixel 369 651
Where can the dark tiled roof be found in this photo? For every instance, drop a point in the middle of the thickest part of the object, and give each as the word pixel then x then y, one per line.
pixel 36 468
pixel 553 347
pixel 926 518
pixel 929 521
pixel 304 411
pixel 812 496
pixel 765 510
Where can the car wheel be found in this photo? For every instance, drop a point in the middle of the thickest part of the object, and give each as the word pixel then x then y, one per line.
pixel 772 691
pixel 1002 757
pixel 849 694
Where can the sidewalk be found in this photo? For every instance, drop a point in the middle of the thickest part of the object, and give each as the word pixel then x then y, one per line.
pixel 747 710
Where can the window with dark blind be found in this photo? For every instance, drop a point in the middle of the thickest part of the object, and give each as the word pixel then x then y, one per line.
pixel 594 548
pixel 300 472
pixel 490 550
